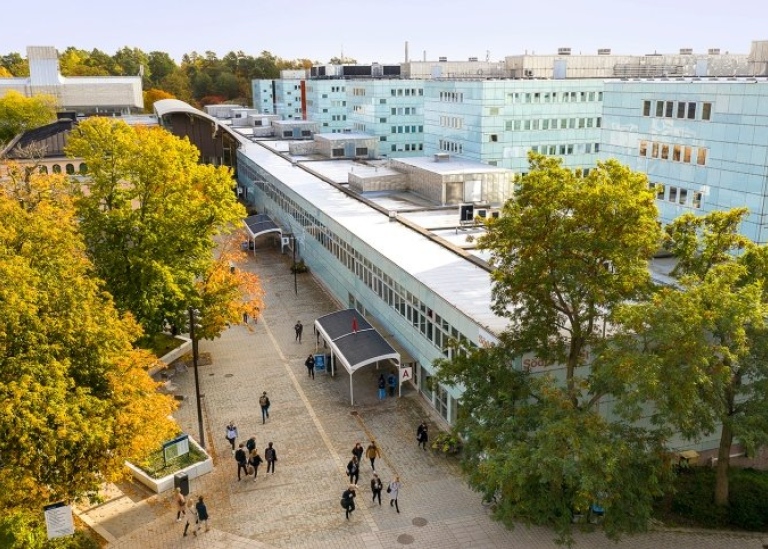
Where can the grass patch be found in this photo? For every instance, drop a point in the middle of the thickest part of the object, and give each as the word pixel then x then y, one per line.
pixel 156 468
pixel 692 503
pixel 159 344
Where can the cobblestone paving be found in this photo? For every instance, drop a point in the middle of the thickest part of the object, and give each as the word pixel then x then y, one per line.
pixel 313 427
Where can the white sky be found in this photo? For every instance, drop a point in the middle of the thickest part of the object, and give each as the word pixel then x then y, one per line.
pixel 377 30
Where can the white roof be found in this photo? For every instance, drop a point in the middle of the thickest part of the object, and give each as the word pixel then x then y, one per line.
pixel 464 285
pixel 454 165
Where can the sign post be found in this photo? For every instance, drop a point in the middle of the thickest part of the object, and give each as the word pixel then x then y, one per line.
pixel 406 374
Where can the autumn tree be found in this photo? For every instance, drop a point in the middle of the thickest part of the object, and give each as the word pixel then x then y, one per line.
pixel 152 95
pixel 699 350
pixel 565 252
pixel 19 113
pixel 75 398
pixel 149 215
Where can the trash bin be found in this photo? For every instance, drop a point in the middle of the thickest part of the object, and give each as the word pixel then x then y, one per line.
pixel 320 363
pixel 181 480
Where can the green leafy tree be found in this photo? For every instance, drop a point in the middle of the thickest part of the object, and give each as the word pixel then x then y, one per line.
pixel 160 66
pixel 149 216
pixel 698 351
pixel 15 64
pixel 19 113
pixel 75 398
pixel 565 252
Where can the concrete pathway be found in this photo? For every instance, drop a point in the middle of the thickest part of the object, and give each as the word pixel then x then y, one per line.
pixel 314 428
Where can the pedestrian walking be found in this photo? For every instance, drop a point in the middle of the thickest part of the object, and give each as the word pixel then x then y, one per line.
pixel 202 514
pixel 348 499
pixel 372 452
pixel 310 364
pixel 357 451
pixel 255 461
pixel 242 460
pixel 382 388
pixel 250 445
pixel 422 435
pixel 376 487
pixel 245 317
pixel 232 435
pixel 270 454
pixel 264 403
pixel 299 329
pixel 181 504
pixel 191 517
pixel 392 383
pixel 353 470
pixel 394 490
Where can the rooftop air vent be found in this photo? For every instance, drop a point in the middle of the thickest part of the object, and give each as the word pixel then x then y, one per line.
pixel 563 51
pixel 686 51
pixel 604 51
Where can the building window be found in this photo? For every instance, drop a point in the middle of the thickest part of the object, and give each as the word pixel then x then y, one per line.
pixel 643 148
pixel 646 108
pixel 687 154
pixel 655 150
pixel 361 151
pixel 56 168
pixel 670 106
pixel 494 138
pixel 706 111
pixel 673 194
pixel 681 109
pixel 659 108
pixel 676 150
pixel 683 197
pixel 697 199
pixel 701 156
pixel 659 191
pixel 335 153
pixel 665 152
pixel 692 110
pixel 43 170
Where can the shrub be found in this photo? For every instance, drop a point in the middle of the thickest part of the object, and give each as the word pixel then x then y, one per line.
pixel 447 443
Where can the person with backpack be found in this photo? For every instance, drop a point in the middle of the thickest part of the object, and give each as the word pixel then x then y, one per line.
pixel 250 445
pixel 372 452
pixel 310 364
pixel 299 329
pixel 348 499
pixel 264 403
pixel 353 470
pixel 271 456
pixel 357 451
pixel 202 514
pixel 231 435
pixel 422 435
pixel 242 460
pixel 255 461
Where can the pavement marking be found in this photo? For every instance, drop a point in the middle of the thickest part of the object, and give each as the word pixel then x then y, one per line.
pixel 316 420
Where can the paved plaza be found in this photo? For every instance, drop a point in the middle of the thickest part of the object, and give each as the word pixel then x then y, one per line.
pixel 314 427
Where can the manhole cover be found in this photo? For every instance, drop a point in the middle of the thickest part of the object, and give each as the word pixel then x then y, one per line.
pixel 419 521
pixel 405 539
pixel 228 375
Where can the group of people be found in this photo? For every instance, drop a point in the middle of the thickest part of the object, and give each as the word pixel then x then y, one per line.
pixel 353 472
pixel 248 458
pixel 390 382
pixel 195 512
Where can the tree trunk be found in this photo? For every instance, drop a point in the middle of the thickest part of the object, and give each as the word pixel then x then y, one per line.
pixel 723 463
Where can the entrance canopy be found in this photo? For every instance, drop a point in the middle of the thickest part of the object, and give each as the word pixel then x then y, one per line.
pixel 258 225
pixel 353 341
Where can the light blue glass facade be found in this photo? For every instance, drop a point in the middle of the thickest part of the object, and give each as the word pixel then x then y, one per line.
pixel 283 97
pixel 704 141
pixel 263 96
pixel 393 110
pixel 327 105
pixel 498 121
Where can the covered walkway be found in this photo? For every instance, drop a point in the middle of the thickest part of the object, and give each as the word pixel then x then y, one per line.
pixel 354 343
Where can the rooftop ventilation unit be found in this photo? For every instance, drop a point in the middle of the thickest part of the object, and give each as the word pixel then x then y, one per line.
pixel 713 51
pixel 442 59
pixel 473 59
pixel 442 157
pixel 563 51
pixel 686 51
pixel 604 51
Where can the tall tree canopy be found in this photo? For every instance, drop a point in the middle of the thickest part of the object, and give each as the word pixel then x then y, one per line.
pixel 19 113
pixel 149 215
pixel 565 252
pixel 699 350
pixel 75 398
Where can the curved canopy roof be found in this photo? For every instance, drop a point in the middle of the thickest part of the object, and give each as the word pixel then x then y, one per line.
pixel 354 342
pixel 260 224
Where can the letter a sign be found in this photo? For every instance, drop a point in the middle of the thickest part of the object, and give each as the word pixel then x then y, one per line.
pixel 406 374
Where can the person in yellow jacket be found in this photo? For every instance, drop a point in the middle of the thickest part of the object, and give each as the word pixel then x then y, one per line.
pixel 372 452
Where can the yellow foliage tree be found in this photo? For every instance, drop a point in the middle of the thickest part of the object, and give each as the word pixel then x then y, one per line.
pixel 152 95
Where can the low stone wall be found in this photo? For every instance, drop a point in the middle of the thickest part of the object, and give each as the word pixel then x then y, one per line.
pixel 165 483
pixel 184 348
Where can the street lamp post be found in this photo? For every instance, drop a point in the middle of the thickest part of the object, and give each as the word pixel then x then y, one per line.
pixel 295 273
pixel 194 316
